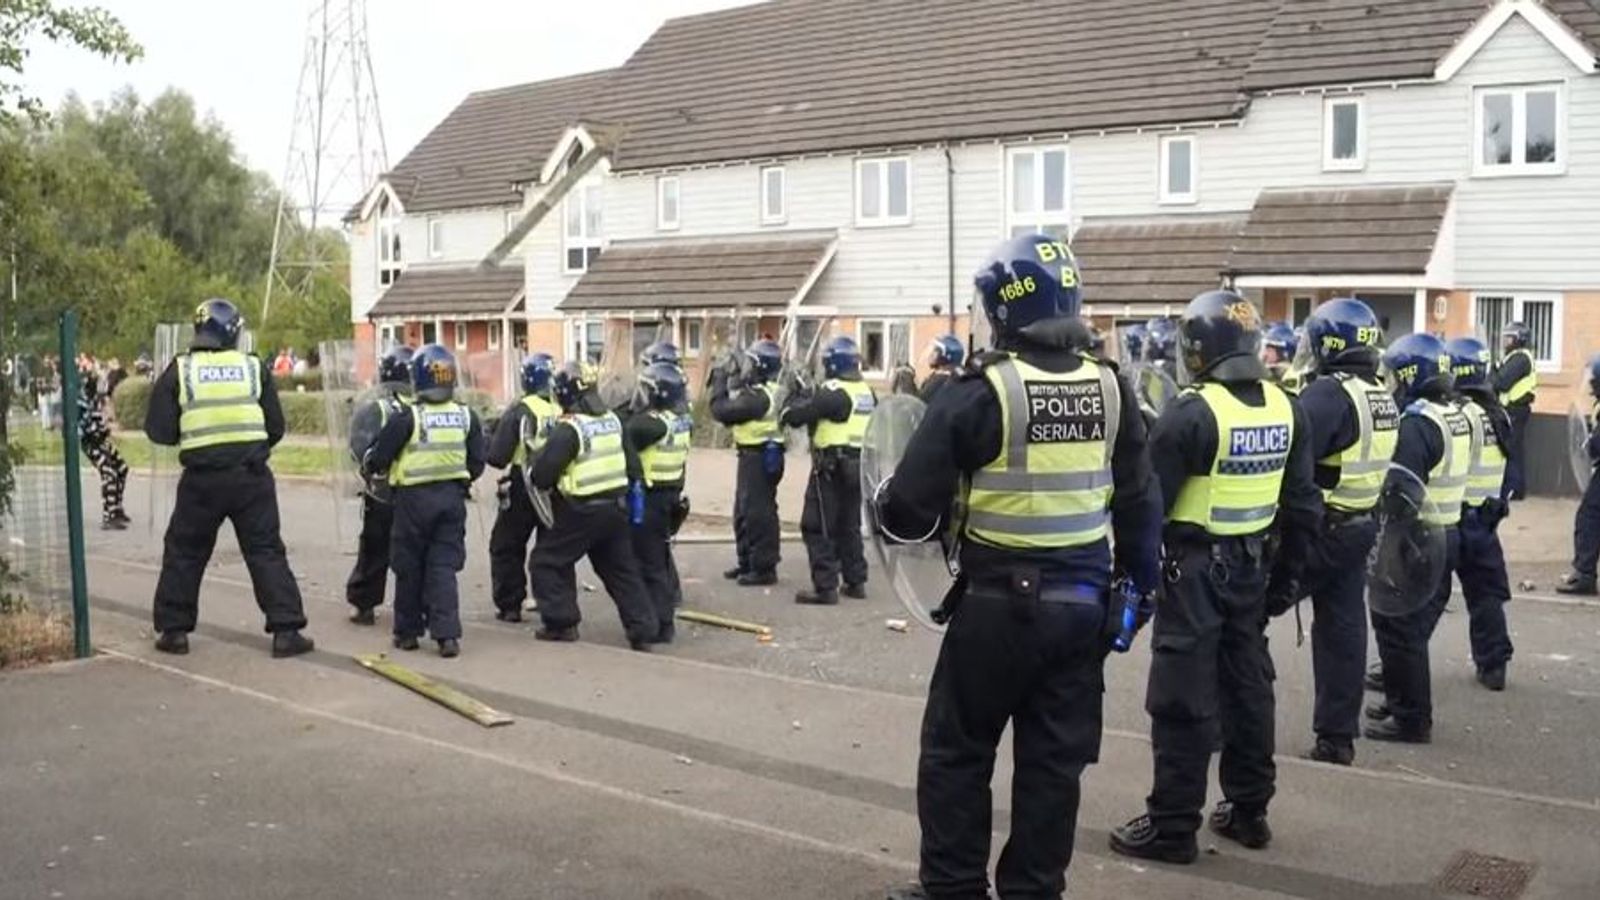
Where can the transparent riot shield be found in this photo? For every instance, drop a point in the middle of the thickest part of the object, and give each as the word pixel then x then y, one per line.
pixel 534 433
pixel 618 367
pixel 345 393
pixel 1579 427
pixel 802 341
pixel 170 339
pixel 1410 558
pixel 919 568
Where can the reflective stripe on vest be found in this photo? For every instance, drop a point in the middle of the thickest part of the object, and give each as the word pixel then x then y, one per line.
pixel 1363 465
pixel 437 450
pixel 852 432
pixel 219 399
pixel 600 465
pixel 539 412
pixel 665 460
pixel 1240 496
pixel 756 432
pixel 1525 385
pixel 1050 487
pixel 1447 482
pixel 1487 474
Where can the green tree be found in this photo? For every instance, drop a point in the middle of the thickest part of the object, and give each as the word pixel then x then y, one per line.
pixel 91 28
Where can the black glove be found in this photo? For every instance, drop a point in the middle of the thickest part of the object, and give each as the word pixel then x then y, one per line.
pixel 1493 512
pixel 1283 592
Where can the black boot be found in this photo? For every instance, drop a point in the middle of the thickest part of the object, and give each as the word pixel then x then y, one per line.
pixel 174 642
pixel 855 591
pixel 906 892
pixel 364 617
pixel 559 635
pixel 449 648
pixel 512 616
pixel 1379 710
pixel 733 574
pixel 1139 838
pixel 1374 678
pixel 757 579
pixel 817 598
pixel 1334 751
pixel 1493 677
pixel 1394 731
pixel 406 642
pixel 1578 585
pixel 1242 826
pixel 290 643
pixel 668 631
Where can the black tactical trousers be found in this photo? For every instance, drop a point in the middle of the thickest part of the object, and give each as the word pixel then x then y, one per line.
pixel 755 513
pixel 831 520
pixel 1586 531
pixel 1037 664
pixel 428 547
pixel 1403 649
pixel 1338 578
pixel 1516 484
pixel 370 576
pixel 248 498
pixel 598 529
pixel 509 557
pixel 1482 569
pixel 652 546
pixel 1211 683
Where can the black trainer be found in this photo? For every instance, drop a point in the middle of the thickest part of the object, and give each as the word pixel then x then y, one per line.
pixel 1140 838
pixel 855 591
pixel 1374 678
pixel 733 574
pixel 113 525
pixel 667 633
pixel 1578 585
pixel 406 642
pixel 1333 751
pixel 906 892
pixel 1378 711
pixel 1394 731
pixel 561 635
pixel 513 616
pixel 174 642
pixel 291 643
pixel 364 617
pixel 757 579
pixel 817 598
pixel 449 648
pixel 1246 827
pixel 642 646
pixel 1493 677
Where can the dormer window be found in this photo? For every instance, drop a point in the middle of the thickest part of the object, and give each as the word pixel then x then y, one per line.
pixel 390 263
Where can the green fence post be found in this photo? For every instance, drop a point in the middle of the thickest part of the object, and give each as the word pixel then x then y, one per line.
pixel 70 390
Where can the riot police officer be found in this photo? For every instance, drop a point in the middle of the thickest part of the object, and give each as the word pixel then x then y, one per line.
pixel 1278 345
pixel 370 575
pixel 521 430
pixel 1586 524
pixel 749 406
pixel 661 352
pixel 1233 455
pixel 1515 380
pixel 1155 374
pixel 588 463
pixel 219 407
pixel 1053 446
pixel 432 450
pixel 944 356
pixel 1353 423
pixel 661 435
pixel 1433 457
pixel 836 414
pixel 1482 562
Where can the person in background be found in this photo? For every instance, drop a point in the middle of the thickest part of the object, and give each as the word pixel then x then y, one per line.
pixel 1515 380
pixel 283 365
pixel 102 453
pixel 945 356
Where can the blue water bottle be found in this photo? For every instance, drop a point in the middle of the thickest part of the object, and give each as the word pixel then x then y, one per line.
pixel 1130 616
pixel 635 503
pixel 772 457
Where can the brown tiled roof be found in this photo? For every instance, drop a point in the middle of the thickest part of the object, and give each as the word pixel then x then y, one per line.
pixel 443 292
pixel 709 274
pixel 491 139
pixel 798 76
pixel 1389 231
pixel 1167 262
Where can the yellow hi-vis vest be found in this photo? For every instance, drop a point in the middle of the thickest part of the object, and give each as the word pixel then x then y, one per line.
pixel 539 411
pixel 1487 473
pixel 756 432
pixel 665 460
pixel 600 465
pixel 1447 482
pixel 1363 465
pixel 219 399
pixel 1525 385
pixel 1240 496
pixel 1050 487
pixel 852 432
pixel 437 450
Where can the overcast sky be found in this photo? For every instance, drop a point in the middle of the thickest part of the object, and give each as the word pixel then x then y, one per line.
pixel 241 58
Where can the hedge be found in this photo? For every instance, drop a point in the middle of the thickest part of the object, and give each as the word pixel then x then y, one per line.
pixel 289 384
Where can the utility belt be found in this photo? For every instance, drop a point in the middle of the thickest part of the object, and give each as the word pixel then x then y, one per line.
pixel 1024 590
pixel 1339 518
pixel 595 503
pixel 1222 555
pixel 665 487
pixel 752 448
pixel 828 460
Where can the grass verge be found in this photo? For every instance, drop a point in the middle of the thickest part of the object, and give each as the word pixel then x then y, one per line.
pixel 295 456
pixel 30 637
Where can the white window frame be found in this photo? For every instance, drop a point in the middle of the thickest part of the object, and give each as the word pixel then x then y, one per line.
pixel 1519 303
pixel 1165 196
pixel 1040 219
pixel 389 263
pixel 389 335
pixel 435 237
pixel 1311 305
pixel 591 244
pixel 884 219
pixel 1519 131
pixel 513 216
pixel 768 216
pixel 461 330
pixel 663 184
pixel 578 336
pixel 422 331
pixel 496 330
pixel 688 349
pixel 1329 105
pixel 889 324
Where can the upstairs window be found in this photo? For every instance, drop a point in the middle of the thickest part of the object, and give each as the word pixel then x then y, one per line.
pixel 584 225
pixel 390 264
pixel 1178 169
pixel 1519 131
pixel 1344 134
pixel 1036 191
pixel 774 203
pixel 435 238
pixel 667 203
pixel 883 192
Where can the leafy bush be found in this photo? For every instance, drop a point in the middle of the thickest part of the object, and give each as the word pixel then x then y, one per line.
pixel 290 384
pixel 304 413
pixel 131 401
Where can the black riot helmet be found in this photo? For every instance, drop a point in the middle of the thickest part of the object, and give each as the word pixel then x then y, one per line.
pixel 217 324
pixel 1219 338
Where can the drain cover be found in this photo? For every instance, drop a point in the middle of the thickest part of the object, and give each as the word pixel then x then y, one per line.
pixel 1481 875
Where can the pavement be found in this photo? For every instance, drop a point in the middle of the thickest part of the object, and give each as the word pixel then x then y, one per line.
pixel 720 767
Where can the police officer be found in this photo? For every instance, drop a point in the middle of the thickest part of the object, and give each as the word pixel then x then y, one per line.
pixel 1482 562
pixel 944 356
pixel 1586 524
pixel 1354 423
pixel 1054 448
pixel 1434 450
pixel 1278 345
pixel 370 576
pixel 1515 380
pixel 750 408
pixel 432 450
pixel 661 352
pixel 661 435
pixel 1233 455
pixel 1156 374
pixel 589 465
pixel 836 414
pixel 219 407
pixel 520 431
